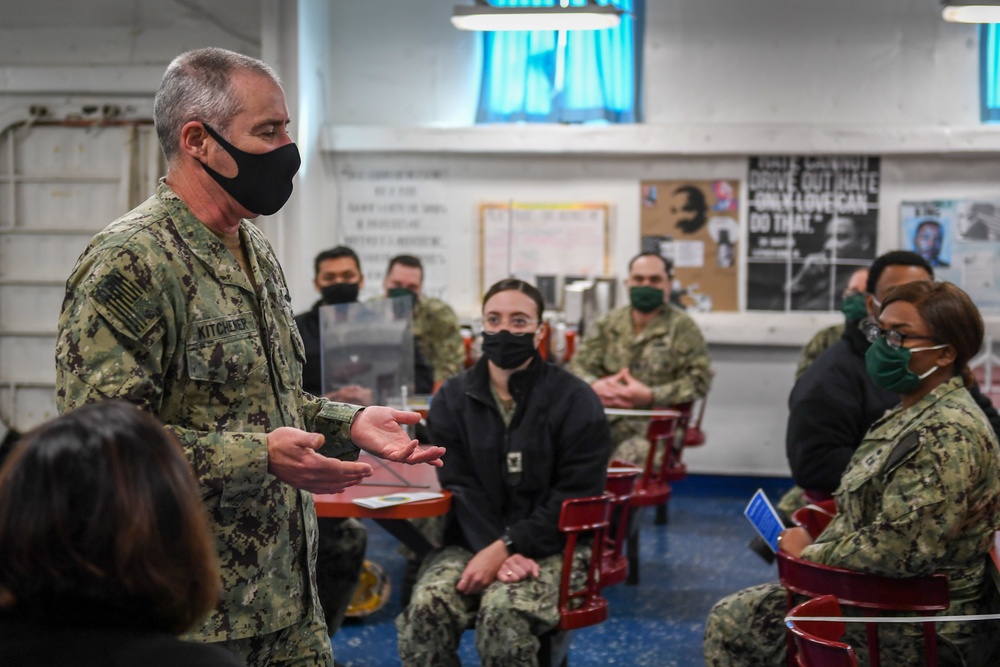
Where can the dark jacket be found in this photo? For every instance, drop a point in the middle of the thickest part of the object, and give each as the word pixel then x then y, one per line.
pixel 563 439
pixel 831 408
pixel 312 371
pixel 25 643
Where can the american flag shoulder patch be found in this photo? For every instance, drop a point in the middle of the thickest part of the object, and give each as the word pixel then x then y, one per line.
pixel 126 302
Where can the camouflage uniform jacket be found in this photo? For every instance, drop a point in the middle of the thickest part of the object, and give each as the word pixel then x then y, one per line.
pixel 817 345
pixel 158 312
pixel 921 495
pixel 435 328
pixel 670 356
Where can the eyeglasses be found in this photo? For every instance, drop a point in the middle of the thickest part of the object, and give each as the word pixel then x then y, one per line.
pixel 893 339
pixel 517 324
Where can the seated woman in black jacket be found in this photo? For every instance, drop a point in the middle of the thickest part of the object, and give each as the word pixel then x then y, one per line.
pixel 105 553
pixel 522 436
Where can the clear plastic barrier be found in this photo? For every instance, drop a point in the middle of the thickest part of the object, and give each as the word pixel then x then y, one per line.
pixel 367 351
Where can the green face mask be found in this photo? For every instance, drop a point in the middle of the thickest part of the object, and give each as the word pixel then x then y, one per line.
pixel 645 299
pixel 402 291
pixel 890 369
pixel 853 307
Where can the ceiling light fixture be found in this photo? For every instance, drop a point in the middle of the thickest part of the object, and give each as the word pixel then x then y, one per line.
pixel 973 11
pixel 489 18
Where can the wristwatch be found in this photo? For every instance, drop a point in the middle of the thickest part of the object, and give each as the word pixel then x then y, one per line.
pixel 508 542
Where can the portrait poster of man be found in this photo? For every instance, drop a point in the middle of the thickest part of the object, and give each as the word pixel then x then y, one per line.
pixel 812 221
pixel 960 238
pixel 695 225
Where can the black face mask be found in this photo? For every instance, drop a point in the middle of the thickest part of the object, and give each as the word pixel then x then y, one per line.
pixel 340 293
pixel 263 182
pixel 508 350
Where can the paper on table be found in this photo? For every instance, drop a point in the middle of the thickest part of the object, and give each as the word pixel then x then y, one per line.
pixel 378 502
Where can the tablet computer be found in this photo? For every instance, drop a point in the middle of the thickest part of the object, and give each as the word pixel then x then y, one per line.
pixel 765 518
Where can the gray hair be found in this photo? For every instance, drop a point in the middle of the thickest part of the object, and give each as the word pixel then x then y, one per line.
pixel 197 86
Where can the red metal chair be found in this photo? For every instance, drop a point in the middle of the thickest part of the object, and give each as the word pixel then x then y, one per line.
pixel 693 435
pixel 871 593
pixel 619 486
pixel 817 641
pixel 583 606
pixel 652 488
pixel 815 517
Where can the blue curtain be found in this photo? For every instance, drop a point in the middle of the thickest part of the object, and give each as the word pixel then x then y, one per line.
pixel 989 72
pixel 563 77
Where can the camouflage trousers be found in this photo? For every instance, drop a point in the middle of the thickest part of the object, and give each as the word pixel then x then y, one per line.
pixel 747 628
pixel 508 618
pixel 794 499
pixel 631 444
pixel 340 557
pixel 304 644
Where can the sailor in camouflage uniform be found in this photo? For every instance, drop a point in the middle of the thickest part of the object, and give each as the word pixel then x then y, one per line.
pixel 435 324
pixel 921 495
pixel 181 308
pixel 647 354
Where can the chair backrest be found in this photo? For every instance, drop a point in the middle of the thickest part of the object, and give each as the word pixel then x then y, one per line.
pixel 665 434
pixel 815 517
pixel 619 487
pixel 870 592
pixel 817 641
pixel 583 606
pixel 694 436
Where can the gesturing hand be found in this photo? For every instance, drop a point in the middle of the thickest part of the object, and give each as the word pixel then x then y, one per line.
pixel 292 458
pixel 378 430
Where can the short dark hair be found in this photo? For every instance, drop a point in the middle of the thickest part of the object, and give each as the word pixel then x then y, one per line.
pixel 100 511
pixel 668 266
pixel 894 258
pixel 406 260
pixel 335 253
pixel 952 317
pixel 517 285
pixel 929 222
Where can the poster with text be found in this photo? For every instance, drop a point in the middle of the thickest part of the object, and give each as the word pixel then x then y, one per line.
pixel 389 212
pixel 695 225
pixel 812 221
pixel 960 239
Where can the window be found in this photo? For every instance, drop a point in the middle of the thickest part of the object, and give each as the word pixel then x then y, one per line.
pixel 989 72
pixel 563 77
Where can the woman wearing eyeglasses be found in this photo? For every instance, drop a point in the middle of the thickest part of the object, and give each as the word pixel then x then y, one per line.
pixel 921 494
pixel 522 435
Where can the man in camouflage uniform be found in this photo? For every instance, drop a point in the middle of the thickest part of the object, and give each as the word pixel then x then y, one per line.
pixel 435 324
pixel 921 495
pixel 647 354
pixel 853 307
pixel 181 308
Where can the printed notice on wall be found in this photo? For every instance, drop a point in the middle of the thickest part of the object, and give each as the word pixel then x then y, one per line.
pixel 812 222
pixel 389 212
pixel 960 239
pixel 695 225
pixel 528 240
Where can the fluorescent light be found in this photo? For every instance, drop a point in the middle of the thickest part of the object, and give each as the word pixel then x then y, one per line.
pixel 981 12
pixel 489 18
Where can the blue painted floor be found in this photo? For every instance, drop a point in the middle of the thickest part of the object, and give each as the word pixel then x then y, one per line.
pixel 687 565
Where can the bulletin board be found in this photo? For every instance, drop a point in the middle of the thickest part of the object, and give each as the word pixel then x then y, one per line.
pixel 525 240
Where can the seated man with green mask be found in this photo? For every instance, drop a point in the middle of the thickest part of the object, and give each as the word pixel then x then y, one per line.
pixel 435 325
pixel 852 306
pixel 643 355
